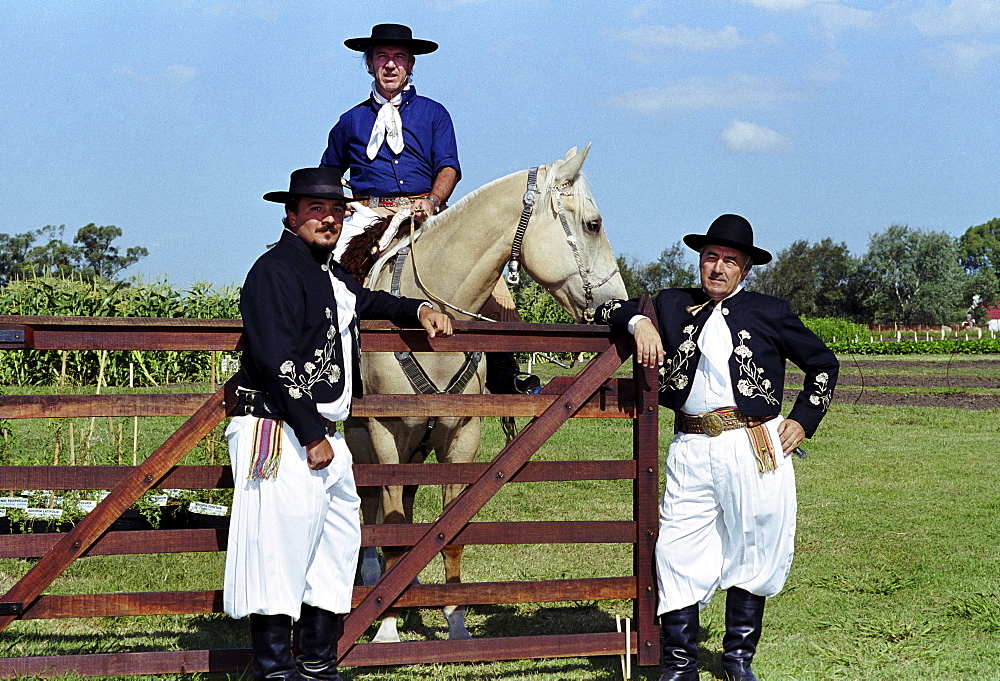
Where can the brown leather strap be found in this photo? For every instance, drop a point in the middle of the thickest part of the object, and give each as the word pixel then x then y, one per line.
pixel 716 422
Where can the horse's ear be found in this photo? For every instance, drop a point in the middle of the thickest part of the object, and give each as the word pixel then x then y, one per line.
pixel 570 167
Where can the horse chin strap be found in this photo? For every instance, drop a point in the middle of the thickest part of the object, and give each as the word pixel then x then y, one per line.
pixel 514 264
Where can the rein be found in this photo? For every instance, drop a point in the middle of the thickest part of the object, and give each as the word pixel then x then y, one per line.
pixel 514 264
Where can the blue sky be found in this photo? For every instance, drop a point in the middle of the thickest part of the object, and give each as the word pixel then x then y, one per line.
pixel 812 118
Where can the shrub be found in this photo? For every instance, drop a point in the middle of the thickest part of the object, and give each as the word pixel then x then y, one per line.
pixel 830 329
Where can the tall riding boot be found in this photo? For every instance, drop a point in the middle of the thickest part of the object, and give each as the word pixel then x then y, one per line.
pixel 679 632
pixel 319 631
pixel 744 621
pixel 504 376
pixel 271 640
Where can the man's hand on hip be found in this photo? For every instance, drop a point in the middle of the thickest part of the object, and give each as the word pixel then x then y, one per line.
pixel 792 434
pixel 319 454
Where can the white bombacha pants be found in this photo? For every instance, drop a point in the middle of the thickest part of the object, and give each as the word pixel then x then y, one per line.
pixel 293 538
pixel 722 523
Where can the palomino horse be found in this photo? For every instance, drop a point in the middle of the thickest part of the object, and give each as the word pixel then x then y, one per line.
pixel 458 257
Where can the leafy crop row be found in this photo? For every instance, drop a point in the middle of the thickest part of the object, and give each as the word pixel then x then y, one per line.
pixel 51 296
pixel 982 346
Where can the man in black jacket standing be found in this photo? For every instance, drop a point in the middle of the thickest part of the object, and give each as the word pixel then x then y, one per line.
pixel 728 514
pixel 295 530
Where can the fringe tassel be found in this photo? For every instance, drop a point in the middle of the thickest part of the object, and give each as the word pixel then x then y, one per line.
pixel 266 449
pixel 763 448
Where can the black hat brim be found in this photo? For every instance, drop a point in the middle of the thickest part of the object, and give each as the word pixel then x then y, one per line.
pixel 285 197
pixel 414 45
pixel 699 241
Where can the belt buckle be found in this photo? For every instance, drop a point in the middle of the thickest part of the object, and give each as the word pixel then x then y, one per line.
pixel 712 425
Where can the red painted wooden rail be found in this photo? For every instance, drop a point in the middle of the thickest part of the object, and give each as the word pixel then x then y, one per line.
pixel 593 393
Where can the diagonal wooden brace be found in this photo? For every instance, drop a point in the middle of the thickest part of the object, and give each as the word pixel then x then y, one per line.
pixel 399 577
pixel 141 479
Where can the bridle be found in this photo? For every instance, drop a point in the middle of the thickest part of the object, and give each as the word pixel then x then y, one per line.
pixel 514 264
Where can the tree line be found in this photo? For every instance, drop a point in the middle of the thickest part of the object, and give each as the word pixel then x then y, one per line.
pixel 910 276
pixel 44 253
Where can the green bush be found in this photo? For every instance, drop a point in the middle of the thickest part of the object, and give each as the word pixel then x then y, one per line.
pixel 983 346
pixel 830 329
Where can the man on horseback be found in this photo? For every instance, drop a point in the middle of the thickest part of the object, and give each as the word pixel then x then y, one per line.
pixel 401 152
pixel 728 514
pixel 294 537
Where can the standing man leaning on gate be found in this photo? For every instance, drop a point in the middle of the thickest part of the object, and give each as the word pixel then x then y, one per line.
pixel 728 514
pixel 401 151
pixel 295 533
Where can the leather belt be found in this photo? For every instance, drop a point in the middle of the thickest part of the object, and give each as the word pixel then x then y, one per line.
pixel 387 201
pixel 714 423
pixel 255 403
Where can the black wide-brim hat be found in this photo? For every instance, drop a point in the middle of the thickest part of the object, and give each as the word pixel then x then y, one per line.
pixel 318 183
pixel 733 231
pixel 392 34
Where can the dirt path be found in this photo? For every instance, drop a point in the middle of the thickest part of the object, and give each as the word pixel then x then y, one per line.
pixel 957 384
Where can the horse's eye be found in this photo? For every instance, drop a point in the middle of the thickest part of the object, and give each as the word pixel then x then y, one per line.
pixel 593 226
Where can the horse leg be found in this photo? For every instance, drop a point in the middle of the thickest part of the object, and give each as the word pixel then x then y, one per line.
pixel 397 508
pixel 460 447
pixel 359 442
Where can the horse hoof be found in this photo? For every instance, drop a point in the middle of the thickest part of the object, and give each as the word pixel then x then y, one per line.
pixel 371 570
pixel 387 632
pixel 455 614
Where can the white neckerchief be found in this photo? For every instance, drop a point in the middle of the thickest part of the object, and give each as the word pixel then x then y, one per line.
pixel 388 125
pixel 712 386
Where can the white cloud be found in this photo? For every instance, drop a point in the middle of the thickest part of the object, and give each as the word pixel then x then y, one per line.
pixel 830 69
pixel 172 76
pixel 738 91
pixel 958 17
pixel 681 37
pixel 836 17
pixel 748 138
pixel 644 10
pixel 963 58
pixel 779 5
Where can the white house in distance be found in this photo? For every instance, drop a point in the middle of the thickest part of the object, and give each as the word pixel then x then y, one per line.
pixel 993 318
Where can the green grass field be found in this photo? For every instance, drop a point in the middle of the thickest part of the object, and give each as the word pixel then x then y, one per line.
pixel 897 573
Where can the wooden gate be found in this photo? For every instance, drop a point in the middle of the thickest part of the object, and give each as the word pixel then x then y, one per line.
pixel 592 393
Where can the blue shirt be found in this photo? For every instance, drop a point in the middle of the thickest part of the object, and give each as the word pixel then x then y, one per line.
pixel 430 146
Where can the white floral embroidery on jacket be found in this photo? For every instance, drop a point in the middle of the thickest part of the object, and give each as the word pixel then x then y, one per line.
pixel 607 309
pixel 753 384
pixel 324 370
pixel 673 374
pixel 823 394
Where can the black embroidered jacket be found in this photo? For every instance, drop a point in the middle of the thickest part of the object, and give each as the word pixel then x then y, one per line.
pixel 293 349
pixel 765 334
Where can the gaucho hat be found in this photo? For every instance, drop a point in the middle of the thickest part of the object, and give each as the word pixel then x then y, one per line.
pixel 319 183
pixel 392 34
pixel 733 231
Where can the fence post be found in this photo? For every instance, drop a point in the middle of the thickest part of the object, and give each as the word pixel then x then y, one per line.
pixel 645 497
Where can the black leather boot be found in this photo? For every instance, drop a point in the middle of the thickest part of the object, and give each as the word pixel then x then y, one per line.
pixel 744 621
pixel 271 640
pixel 679 641
pixel 319 631
pixel 504 376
